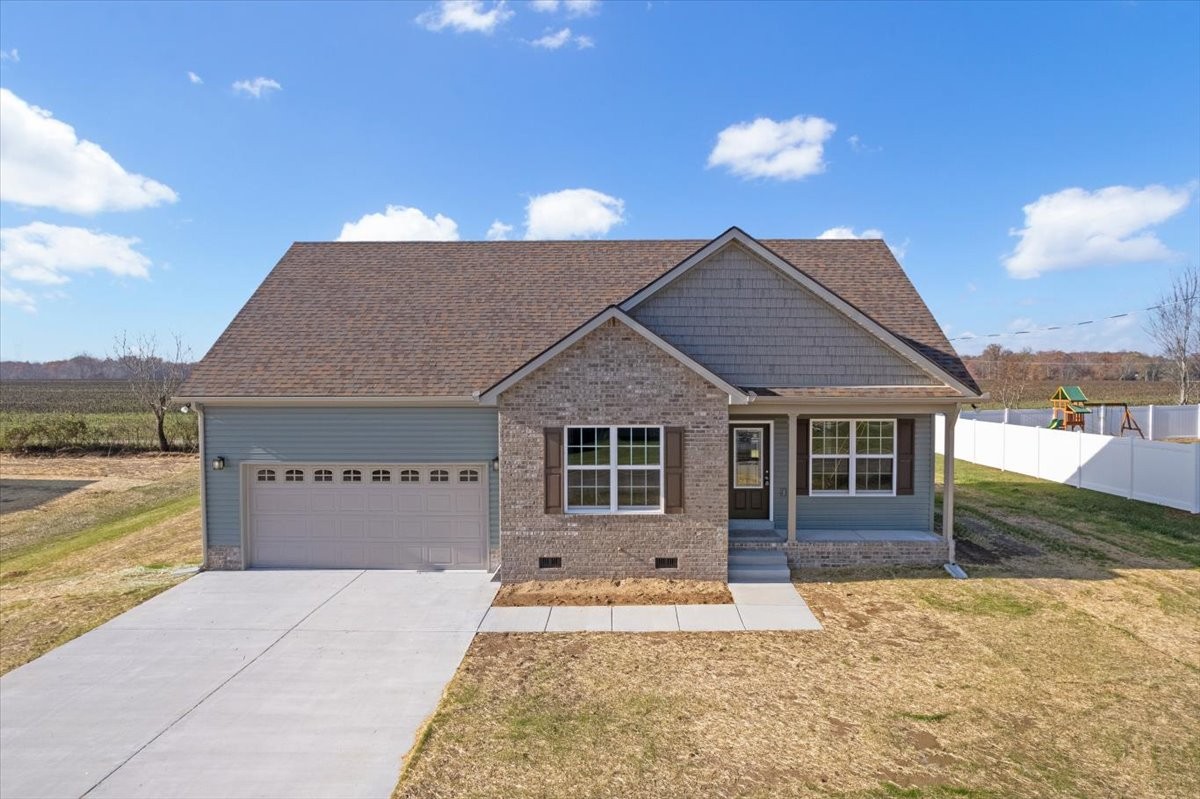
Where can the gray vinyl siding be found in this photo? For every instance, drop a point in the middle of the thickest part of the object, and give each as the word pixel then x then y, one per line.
pixel 381 435
pixel 754 326
pixel 913 512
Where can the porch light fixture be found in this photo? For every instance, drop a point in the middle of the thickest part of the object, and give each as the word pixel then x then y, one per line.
pixel 218 463
pixel 496 464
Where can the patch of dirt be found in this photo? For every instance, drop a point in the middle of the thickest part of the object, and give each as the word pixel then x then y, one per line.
pixel 634 591
pixel 968 553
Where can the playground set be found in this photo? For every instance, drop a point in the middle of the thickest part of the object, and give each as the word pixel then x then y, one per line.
pixel 1070 405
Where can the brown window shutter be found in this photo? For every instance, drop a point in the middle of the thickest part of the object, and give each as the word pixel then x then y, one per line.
pixel 802 457
pixel 673 470
pixel 904 456
pixel 554 470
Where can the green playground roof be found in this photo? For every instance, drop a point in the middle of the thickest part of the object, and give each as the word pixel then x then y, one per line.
pixel 1079 408
pixel 1073 393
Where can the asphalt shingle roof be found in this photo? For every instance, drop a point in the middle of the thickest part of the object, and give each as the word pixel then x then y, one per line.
pixel 440 319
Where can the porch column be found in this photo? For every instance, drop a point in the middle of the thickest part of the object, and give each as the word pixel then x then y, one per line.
pixel 791 488
pixel 948 482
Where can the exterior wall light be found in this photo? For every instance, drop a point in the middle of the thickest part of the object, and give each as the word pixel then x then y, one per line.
pixel 496 464
pixel 218 463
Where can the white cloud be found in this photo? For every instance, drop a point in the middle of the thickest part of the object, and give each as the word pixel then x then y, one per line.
pixel 18 297
pixel 49 254
pixel 257 87
pixel 398 223
pixel 848 233
pixel 787 150
pixel 572 214
pixel 870 233
pixel 194 78
pixel 44 164
pixel 498 231
pixel 10 55
pixel 465 16
pixel 1076 228
pixel 573 8
pixel 553 41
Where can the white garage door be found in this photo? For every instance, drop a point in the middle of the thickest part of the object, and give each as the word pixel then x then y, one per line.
pixel 368 516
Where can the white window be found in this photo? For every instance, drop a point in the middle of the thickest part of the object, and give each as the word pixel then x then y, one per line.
pixel 852 457
pixel 468 475
pixel 381 476
pixel 293 476
pixel 351 476
pixel 439 476
pixel 614 469
pixel 323 476
pixel 410 476
pixel 266 475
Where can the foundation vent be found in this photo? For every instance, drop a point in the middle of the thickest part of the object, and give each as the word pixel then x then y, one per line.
pixel 666 563
pixel 549 563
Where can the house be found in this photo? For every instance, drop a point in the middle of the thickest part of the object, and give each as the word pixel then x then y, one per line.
pixel 577 409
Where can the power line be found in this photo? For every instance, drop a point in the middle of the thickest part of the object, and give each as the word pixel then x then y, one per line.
pixel 1068 325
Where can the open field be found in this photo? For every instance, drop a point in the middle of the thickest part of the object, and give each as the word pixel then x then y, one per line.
pixel 84 539
pixel 98 416
pixel 66 396
pixel 1135 392
pixel 1069 665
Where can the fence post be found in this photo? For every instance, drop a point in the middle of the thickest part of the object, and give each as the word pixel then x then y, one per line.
pixel 1195 482
pixel 1132 441
pixel 1079 459
pixel 1150 422
pixel 1103 428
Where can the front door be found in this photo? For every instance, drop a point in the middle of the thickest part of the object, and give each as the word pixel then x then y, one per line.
pixel 749 471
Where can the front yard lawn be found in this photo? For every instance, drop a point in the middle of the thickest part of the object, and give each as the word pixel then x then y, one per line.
pixel 84 539
pixel 1069 665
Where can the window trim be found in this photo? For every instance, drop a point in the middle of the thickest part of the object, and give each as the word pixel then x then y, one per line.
pixel 852 456
pixel 614 469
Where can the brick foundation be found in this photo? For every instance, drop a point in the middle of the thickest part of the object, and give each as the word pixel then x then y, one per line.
pixel 613 376
pixel 822 554
pixel 224 558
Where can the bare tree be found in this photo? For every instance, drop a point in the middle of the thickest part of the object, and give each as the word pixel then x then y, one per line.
pixel 1008 372
pixel 153 379
pixel 1175 327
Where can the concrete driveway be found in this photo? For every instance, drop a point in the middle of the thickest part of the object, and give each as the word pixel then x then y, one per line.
pixel 242 684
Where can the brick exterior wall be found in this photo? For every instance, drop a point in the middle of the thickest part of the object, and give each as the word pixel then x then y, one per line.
pixel 822 554
pixel 224 558
pixel 613 376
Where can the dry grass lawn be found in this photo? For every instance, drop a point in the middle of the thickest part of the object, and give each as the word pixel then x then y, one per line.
pixel 1069 665
pixel 613 592
pixel 85 539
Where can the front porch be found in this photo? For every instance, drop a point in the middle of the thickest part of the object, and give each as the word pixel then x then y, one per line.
pixel 811 529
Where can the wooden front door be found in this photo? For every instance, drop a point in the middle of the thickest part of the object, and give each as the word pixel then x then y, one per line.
pixel 749 471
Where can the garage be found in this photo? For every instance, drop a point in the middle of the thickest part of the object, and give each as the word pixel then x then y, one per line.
pixel 367 515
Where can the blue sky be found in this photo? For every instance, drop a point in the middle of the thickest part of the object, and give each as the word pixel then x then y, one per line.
pixel 1031 164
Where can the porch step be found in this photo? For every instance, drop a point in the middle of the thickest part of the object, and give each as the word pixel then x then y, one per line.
pixel 758 566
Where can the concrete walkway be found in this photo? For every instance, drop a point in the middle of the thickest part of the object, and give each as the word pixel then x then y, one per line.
pixel 756 606
pixel 242 684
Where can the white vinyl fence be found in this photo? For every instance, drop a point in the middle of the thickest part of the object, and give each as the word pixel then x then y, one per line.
pixel 1153 471
pixel 1158 422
